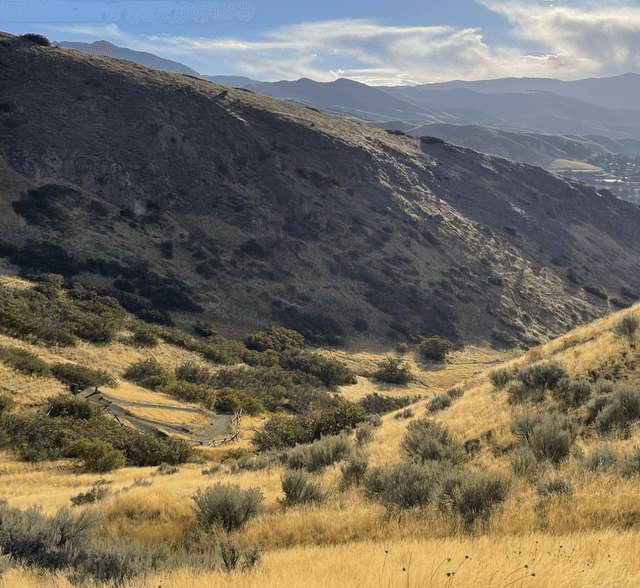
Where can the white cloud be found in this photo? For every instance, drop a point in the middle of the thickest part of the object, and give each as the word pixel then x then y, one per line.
pixel 572 41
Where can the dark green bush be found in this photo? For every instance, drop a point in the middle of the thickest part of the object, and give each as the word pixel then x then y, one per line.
pixel 602 459
pixel 329 372
pixel 37 39
pixel 572 393
pixel 426 440
pixel 406 485
pixel 84 377
pixel 500 377
pixel 626 328
pixel 143 337
pixel 298 489
pixel 354 471
pixel 97 456
pixel 435 349
pixel 6 403
pixel 439 403
pixel 544 375
pixel 193 373
pixel 92 496
pixel 24 361
pixel 321 453
pixel 188 392
pixel 391 371
pixel 279 432
pixel 618 411
pixel 473 496
pixel 379 404
pixel 275 338
pixel 148 373
pixel 232 400
pixel 229 507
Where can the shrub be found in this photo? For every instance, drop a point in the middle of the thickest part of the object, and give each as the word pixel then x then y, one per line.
pixel 278 339
pixel 299 490
pixel 407 413
pixel 330 372
pixel 279 432
pixel 391 371
pixel 24 361
pixel 455 392
pixel 379 404
pixel 617 411
pixel 439 403
pixel 572 393
pixel 549 436
pixel 626 328
pixel 234 454
pixel 346 415
pixel 227 506
pixel 193 373
pixel 92 496
pixel 435 349
pixel 602 459
pixel 326 452
pixel 407 485
pixel 473 496
pixel 524 463
pixel 519 393
pixel 143 337
pixel 232 400
pixel 38 39
pixel 189 392
pixel 354 471
pixel 554 487
pixel 84 377
pixel 500 377
pixel 426 440
pixel 6 403
pixel 545 375
pixel 251 463
pixel 364 434
pixel 148 373
pixel 98 456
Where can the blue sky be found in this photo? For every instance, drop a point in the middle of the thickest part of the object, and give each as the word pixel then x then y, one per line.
pixel 391 42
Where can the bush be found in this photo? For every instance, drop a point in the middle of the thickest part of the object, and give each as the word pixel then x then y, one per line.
pixel 24 361
pixel 407 485
pixel 354 471
pixel 321 454
pixel 330 372
pixel 544 375
pixel 554 487
pixel 500 377
pixel 193 373
pixel 572 393
pixel 439 403
pixel 407 413
pixel 92 496
pixel 364 434
pixel 232 400
pixel 455 392
pixel 602 459
pixel 84 377
pixel 426 440
pixel 98 456
pixel 618 411
pixel 473 496
pixel 549 435
pixel 189 392
pixel 227 506
pixel 524 463
pixel 38 39
pixel 435 349
pixel 298 490
pixel 519 393
pixel 148 373
pixel 6 403
pixel 143 337
pixel 391 371
pixel 378 404
pixel 279 432
pixel 626 328
pixel 278 339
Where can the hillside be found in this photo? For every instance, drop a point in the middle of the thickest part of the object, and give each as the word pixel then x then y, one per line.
pixel 560 499
pixel 215 204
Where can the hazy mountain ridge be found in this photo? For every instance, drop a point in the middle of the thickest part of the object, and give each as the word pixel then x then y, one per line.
pixel 261 210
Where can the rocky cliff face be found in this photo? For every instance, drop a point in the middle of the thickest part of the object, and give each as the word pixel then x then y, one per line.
pixel 260 210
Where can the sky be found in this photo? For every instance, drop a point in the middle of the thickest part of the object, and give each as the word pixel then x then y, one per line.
pixel 392 42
